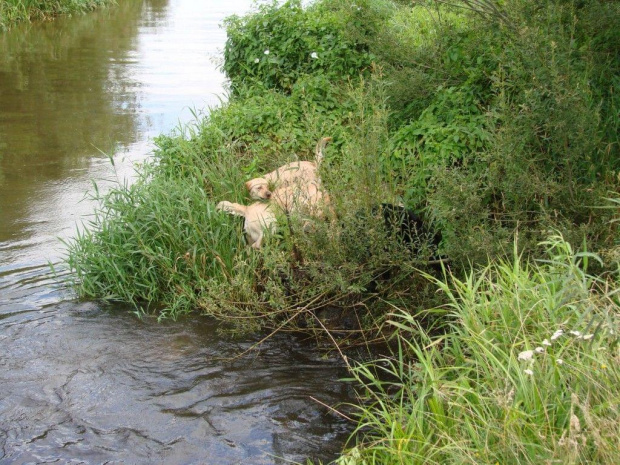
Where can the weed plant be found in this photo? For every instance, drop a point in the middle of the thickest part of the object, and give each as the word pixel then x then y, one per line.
pixel 13 11
pixel 526 371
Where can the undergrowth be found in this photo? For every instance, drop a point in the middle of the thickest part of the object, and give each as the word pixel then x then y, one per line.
pixel 484 123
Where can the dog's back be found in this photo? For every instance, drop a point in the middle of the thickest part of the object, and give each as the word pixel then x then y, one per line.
pixel 299 171
pixel 407 225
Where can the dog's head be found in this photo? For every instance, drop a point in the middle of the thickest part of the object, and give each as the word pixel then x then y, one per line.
pixel 258 188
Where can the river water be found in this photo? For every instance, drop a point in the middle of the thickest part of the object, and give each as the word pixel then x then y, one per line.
pixel 89 383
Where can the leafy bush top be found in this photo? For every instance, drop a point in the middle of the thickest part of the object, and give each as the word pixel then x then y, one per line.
pixel 277 44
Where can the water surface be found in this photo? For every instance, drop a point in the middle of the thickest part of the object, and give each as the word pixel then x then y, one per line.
pixel 83 382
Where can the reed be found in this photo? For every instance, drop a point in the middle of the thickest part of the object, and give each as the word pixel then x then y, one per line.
pixel 14 11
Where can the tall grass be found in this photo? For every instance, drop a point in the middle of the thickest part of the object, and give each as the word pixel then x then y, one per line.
pixel 527 371
pixel 159 243
pixel 14 11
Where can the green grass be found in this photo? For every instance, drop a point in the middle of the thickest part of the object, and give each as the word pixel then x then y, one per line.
pixel 160 244
pixel 14 11
pixel 526 371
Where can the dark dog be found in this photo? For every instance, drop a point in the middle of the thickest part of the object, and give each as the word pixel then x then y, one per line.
pixel 406 225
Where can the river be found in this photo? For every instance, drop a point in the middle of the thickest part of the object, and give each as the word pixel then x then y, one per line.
pixel 89 383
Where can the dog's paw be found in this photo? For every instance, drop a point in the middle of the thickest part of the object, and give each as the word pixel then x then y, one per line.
pixel 224 205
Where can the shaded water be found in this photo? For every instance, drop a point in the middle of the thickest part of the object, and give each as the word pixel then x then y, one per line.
pixel 81 382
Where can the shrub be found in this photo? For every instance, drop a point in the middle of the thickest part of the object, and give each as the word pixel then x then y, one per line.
pixel 277 45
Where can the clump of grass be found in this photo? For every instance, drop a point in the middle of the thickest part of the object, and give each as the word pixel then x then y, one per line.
pixel 14 11
pixel 526 371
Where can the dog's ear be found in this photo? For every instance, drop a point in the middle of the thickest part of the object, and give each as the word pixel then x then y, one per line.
pixel 248 185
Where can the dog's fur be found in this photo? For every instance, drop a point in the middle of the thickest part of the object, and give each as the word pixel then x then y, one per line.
pixel 406 225
pixel 307 199
pixel 295 184
pixel 259 217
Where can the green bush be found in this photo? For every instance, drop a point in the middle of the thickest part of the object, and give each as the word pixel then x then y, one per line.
pixel 278 44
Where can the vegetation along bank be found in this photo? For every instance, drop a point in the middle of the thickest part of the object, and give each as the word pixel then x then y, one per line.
pixel 14 11
pixel 496 123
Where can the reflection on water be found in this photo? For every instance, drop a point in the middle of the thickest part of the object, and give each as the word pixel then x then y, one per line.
pixel 77 90
pixel 81 383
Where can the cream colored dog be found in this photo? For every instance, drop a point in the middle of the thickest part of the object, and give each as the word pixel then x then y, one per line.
pixel 297 185
pixel 259 217
pixel 294 173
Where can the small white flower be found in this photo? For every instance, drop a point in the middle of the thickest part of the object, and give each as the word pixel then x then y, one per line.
pixel 314 55
pixel 256 60
pixel 575 333
pixel 546 342
pixel 559 361
pixel 557 334
pixel 528 372
pixel 588 336
pixel 526 355
pixel 267 52
pixel 539 350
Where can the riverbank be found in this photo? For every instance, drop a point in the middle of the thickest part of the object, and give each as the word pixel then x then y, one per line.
pixel 15 11
pixel 497 127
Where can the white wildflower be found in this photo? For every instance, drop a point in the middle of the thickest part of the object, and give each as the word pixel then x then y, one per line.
pixel 539 350
pixel 267 52
pixel 588 336
pixel 559 361
pixel 575 333
pixel 546 342
pixel 526 355
pixel 256 60
pixel 314 55
pixel 557 334
pixel 528 372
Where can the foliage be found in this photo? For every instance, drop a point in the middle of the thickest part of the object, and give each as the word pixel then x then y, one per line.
pixel 485 123
pixel 278 44
pixel 526 371
pixel 159 241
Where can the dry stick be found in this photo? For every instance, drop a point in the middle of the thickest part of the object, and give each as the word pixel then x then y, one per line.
pixel 275 312
pixel 343 356
pixel 253 346
pixel 332 409
pixel 276 330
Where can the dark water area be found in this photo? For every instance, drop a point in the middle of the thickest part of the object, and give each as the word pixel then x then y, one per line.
pixel 90 383
pixel 84 385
